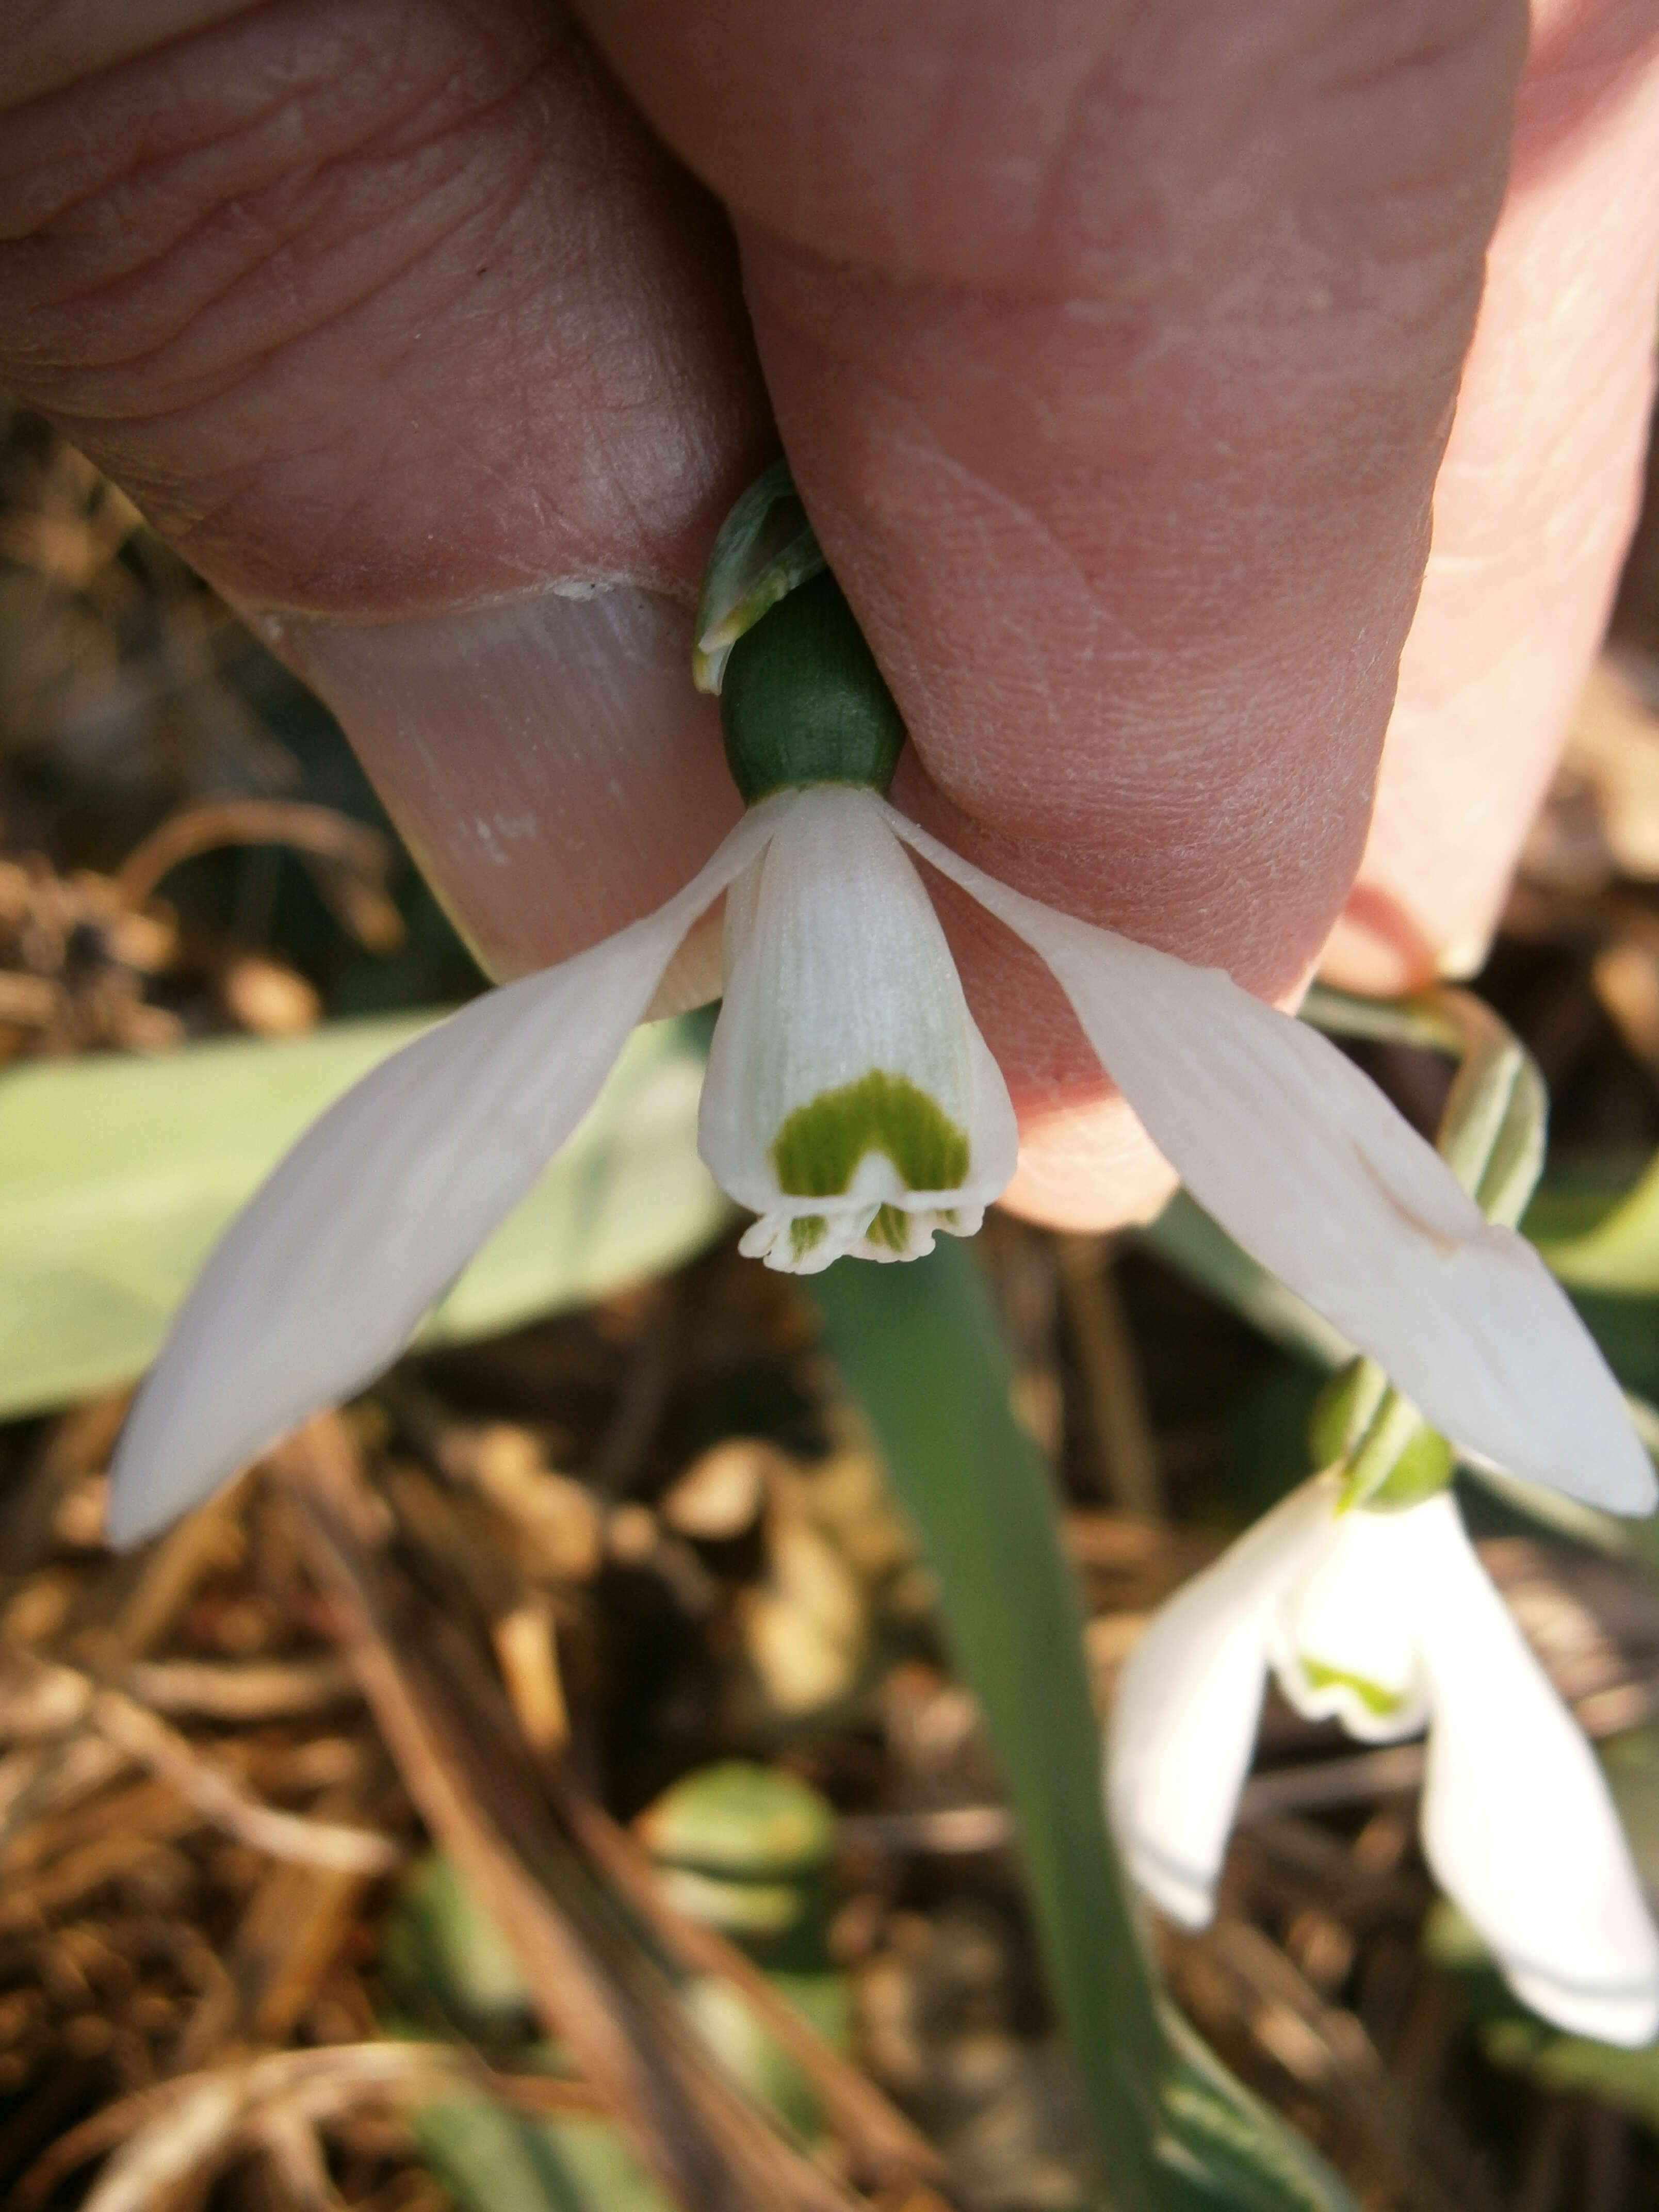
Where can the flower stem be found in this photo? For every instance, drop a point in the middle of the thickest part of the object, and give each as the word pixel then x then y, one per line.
pixel 922 1349
pixel 1491 1135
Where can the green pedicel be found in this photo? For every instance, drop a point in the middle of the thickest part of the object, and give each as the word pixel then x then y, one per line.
pixel 1425 1464
pixel 803 702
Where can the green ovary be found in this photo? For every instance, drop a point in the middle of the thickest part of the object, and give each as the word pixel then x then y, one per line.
pixel 1375 1698
pixel 817 1151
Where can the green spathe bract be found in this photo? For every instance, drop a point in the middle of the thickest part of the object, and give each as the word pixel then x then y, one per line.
pixel 803 700
pixel 817 1151
pixel 766 548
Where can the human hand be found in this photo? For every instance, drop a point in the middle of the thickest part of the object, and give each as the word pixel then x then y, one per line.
pixel 1115 355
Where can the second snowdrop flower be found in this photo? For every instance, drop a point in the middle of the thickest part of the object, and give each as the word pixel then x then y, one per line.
pixel 1387 1622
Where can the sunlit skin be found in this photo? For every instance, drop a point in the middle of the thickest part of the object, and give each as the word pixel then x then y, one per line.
pixel 1116 350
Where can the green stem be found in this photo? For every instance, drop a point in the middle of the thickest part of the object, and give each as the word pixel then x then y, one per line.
pixel 922 1349
pixel 1375 1457
pixel 1491 1135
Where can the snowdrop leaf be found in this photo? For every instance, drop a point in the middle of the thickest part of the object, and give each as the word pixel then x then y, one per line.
pixel 1185 1238
pixel 1187 1702
pixel 1301 1158
pixel 496 2160
pixel 921 1350
pixel 764 550
pixel 1621 1253
pixel 324 1278
pixel 118 1174
pixel 1567 2065
pixel 1518 1823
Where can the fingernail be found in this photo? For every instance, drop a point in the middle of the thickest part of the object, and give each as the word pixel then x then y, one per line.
pixel 547 760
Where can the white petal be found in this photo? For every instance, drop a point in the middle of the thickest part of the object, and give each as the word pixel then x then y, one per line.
pixel 843 1025
pixel 1301 1158
pixel 1518 1823
pixel 324 1275
pixel 805 1243
pixel 1343 1645
pixel 1187 1705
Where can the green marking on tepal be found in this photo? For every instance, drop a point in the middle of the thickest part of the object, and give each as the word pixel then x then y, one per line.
pixel 1372 1695
pixel 803 700
pixel 817 1150
pixel 890 1227
pixel 806 1232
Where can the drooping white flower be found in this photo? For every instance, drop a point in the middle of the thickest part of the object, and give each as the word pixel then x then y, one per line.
pixel 853 1104
pixel 865 1132
pixel 1387 1622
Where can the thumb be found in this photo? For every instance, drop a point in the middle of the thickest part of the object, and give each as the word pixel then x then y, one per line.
pixel 1115 351
pixel 401 326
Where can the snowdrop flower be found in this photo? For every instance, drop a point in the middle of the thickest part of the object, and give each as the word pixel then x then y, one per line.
pixel 1387 1622
pixel 852 1104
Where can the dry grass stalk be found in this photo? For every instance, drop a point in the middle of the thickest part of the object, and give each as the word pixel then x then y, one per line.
pixel 150 1743
pixel 50 1697
pixel 288 2141
pixel 882 2145
pixel 592 1985
pixel 1117 1407
pixel 129 1829
pixel 355 858
pixel 191 2126
pixel 882 2148
pixel 1324 2048
pixel 209 1690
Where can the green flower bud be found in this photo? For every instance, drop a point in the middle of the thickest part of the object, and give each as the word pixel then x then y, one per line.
pixel 803 700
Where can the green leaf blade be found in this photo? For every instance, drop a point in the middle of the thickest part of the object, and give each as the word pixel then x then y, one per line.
pixel 118 1175
pixel 922 1349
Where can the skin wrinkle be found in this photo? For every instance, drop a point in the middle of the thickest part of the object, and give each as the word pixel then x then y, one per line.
pixel 209 512
pixel 242 360
pixel 650 500
pixel 1197 714
pixel 197 84
pixel 1217 833
pixel 1004 91
pixel 1547 459
pixel 1587 57
pixel 263 238
pixel 950 738
pixel 53 44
